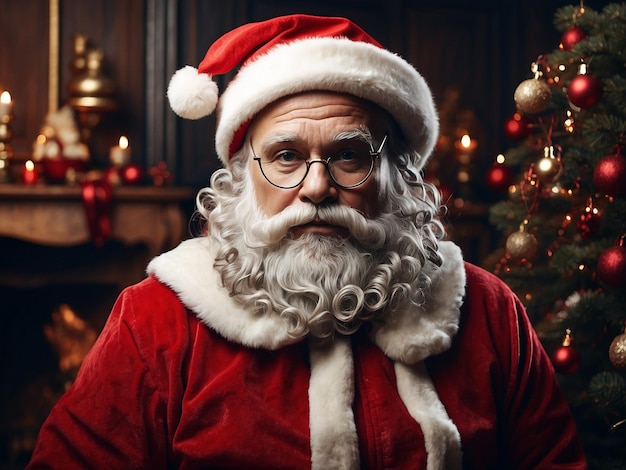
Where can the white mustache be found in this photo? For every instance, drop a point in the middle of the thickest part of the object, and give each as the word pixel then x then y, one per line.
pixel 271 231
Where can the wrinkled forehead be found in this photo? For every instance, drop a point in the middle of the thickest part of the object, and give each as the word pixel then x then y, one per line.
pixel 340 111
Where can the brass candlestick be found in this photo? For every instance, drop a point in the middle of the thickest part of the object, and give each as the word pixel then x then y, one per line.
pixel 91 94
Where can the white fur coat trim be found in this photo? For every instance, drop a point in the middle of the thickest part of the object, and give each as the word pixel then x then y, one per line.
pixel 406 336
pixel 334 442
pixel 441 437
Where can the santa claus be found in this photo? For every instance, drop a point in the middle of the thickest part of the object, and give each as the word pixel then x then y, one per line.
pixel 320 320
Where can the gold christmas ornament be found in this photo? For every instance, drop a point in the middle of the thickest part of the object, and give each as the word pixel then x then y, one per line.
pixel 549 167
pixel 617 351
pixel 521 244
pixel 532 96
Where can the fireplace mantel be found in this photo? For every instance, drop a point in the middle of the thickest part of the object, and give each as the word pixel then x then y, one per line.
pixel 55 215
pixel 152 218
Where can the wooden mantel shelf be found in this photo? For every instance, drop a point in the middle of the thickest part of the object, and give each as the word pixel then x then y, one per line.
pixel 19 192
pixel 55 215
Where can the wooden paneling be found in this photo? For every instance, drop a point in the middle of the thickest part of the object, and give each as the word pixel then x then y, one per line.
pixel 24 65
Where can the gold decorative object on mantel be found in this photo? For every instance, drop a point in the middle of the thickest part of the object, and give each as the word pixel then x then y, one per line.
pixel 91 92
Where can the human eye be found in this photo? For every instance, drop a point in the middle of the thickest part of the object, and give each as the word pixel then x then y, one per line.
pixel 285 161
pixel 348 159
pixel 286 157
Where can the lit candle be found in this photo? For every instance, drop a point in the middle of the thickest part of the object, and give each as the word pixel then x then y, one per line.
pixel 6 107
pixel 29 173
pixel 119 155
pixel 466 147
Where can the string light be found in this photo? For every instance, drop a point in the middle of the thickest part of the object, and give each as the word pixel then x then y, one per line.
pixel 569 122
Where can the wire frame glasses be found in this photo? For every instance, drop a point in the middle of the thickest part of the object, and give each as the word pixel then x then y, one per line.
pixel 348 168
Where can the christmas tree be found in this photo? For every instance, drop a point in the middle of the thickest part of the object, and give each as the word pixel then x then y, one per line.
pixel 563 219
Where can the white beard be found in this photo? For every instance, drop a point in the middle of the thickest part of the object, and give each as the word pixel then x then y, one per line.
pixel 322 284
pixel 322 277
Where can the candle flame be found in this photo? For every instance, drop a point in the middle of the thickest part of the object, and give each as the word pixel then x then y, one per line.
pixel 466 141
pixel 5 97
pixel 123 142
pixel 30 166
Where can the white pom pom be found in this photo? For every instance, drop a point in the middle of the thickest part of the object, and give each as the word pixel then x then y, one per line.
pixel 192 95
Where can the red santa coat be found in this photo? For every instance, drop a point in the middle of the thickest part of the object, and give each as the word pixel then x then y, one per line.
pixel 180 378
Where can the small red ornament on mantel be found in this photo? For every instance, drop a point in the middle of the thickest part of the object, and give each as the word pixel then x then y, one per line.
pixel 572 36
pixel 566 358
pixel 612 265
pixel 609 175
pixel 131 174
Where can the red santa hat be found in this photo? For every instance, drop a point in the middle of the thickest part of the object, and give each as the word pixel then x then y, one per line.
pixel 297 53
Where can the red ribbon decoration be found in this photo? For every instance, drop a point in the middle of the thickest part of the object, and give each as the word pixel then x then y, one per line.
pixel 97 197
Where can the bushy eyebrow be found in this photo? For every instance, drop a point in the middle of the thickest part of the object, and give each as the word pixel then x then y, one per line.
pixel 276 138
pixel 361 134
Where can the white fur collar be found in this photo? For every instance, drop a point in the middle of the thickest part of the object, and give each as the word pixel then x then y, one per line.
pixel 406 336
pixel 188 270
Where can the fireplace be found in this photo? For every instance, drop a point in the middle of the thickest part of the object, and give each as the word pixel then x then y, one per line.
pixel 56 293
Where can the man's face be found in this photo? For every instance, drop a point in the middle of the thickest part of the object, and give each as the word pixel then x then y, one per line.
pixel 309 124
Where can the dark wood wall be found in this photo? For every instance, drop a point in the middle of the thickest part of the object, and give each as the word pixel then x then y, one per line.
pixel 482 48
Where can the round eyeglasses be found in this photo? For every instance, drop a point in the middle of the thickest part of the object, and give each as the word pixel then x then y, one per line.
pixel 348 168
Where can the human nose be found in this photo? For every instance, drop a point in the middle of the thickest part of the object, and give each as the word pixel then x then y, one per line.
pixel 318 187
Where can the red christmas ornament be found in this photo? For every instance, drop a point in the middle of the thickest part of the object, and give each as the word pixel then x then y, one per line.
pixel 566 358
pixel 499 177
pixel 517 127
pixel 572 36
pixel 131 174
pixel 609 175
pixel 584 91
pixel 612 265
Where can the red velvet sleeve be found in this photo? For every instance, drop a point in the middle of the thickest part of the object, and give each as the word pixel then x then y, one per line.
pixel 540 430
pixel 515 382
pixel 115 414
